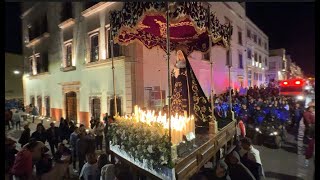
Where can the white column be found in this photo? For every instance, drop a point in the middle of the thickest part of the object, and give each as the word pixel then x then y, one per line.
pixel 102 37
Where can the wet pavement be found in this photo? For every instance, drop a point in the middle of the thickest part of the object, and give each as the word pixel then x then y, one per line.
pixel 285 163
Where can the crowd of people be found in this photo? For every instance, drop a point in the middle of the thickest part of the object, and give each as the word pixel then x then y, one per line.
pixel 78 146
pixel 253 107
pixel 68 144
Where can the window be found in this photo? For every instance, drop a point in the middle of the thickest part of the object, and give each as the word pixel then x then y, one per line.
pixel 255 38
pixel 68 54
pixel 240 61
pixel 259 41
pixel 248 33
pixel 260 77
pixel 240 36
pixel 94 47
pixel 249 53
pixel 249 74
pixel 255 56
pixel 38 27
pixel 41 63
pixel 283 65
pixel 228 58
pixel 260 59
pixel 32 100
pixel 266 62
pixel 31 65
pixel 117 49
pixel 255 76
pixel 272 65
pixel 266 45
pixel 66 12
pixel 95 108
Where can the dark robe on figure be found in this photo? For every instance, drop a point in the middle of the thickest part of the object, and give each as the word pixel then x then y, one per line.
pixel 187 95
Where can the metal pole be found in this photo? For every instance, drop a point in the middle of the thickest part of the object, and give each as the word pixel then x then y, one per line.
pixel 114 83
pixel 211 66
pixel 230 101
pixel 160 89
pixel 168 61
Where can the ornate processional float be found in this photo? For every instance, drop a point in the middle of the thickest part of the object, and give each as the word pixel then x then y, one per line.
pixel 160 144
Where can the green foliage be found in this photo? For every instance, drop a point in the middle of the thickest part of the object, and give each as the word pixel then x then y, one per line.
pixel 142 141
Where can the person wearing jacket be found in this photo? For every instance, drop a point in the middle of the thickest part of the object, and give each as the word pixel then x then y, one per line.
pixel 16 119
pixel 53 137
pixel 236 169
pixel 244 113
pixel 39 134
pixel 82 149
pixel 219 172
pixel 25 136
pixel 250 157
pixel 73 144
pixel 98 132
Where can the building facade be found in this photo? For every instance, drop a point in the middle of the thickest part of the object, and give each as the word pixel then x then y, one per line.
pixel 13 73
pixel 257 54
pixel 68 61
pixel 293 70
pixel 277 65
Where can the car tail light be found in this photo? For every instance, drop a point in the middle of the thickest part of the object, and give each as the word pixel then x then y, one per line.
pixel 298 82
pixel 285 83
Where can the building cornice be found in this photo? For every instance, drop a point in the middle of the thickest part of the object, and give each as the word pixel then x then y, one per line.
pixel 24 14
pixel 37 40
pixel 96 8
pixel 67 23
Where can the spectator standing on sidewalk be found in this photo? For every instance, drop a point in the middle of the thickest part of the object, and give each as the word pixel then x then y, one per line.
pixel 7 118
pixel 16 119
pixel 53 137
pixel 73 144
pixel 81 148
pixel 25 136
pixel 34 112
pixel 39 134
pixel 98 132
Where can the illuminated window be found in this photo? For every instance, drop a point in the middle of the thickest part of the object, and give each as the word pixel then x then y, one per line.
pixel 68 54
pixel 94 47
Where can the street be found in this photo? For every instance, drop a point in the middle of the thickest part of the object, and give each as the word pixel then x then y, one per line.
pixel 278 164
pixel 285 163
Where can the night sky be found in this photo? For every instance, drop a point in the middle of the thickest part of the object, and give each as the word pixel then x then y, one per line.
pixel 288 25
pixel 13 28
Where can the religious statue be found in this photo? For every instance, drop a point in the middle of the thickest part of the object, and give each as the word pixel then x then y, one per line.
pixel 187 94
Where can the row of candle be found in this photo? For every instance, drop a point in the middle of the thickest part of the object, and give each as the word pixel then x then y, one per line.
pixel 180 125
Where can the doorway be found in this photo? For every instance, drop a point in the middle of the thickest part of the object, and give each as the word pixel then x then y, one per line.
pixel 39 103
pixel 47 102
pixel 71 106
